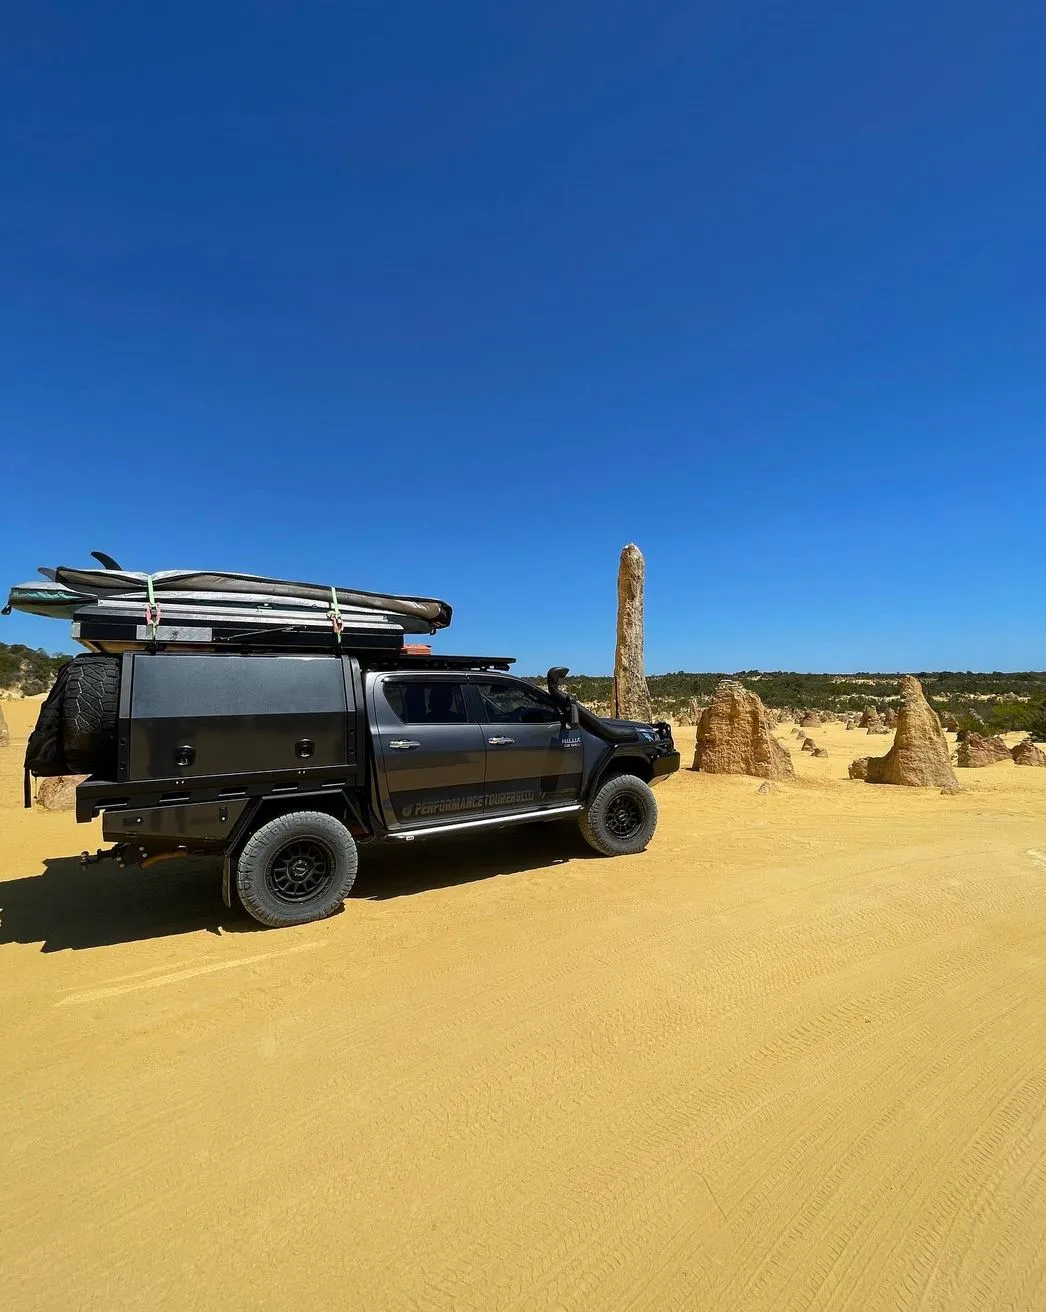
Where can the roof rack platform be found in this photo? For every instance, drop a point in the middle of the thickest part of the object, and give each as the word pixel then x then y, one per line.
pixel 436 661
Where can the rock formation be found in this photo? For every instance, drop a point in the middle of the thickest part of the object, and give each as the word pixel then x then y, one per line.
pixel 950 723
pixel 1026 753
pixel 734 736
pixel 868 716
pixel 808 745
pixel 631 695
pixel 919 755
pixel 874 723
pixel 810 720
pixel 688 714
pixel 890 718
pixel 58 792
pixel 975 750
pixel 5 732
pixel 820 751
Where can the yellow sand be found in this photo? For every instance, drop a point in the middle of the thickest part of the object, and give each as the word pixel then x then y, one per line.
pixel 793 1057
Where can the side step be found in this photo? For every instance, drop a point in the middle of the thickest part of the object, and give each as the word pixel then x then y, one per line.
pixel 406 835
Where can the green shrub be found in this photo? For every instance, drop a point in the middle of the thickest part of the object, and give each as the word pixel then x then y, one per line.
pixel 27 669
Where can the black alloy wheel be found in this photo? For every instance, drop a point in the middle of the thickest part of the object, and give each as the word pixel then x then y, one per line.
pixel 625 816
pixel 300 870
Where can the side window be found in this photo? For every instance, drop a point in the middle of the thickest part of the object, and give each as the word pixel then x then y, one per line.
pixel 507 702
pixel 417 701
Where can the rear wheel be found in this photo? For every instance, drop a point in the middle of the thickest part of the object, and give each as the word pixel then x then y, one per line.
pixel 621 818
pixel 296 868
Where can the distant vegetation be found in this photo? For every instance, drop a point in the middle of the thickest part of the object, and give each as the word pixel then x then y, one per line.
pixel 989 703
pixel 27 669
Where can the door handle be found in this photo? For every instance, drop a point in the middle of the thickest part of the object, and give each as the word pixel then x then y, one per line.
pixel 404 744
pixel 500 742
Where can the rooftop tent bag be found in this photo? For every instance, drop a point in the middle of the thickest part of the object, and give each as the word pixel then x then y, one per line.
pixel 428 613
pixel 114 610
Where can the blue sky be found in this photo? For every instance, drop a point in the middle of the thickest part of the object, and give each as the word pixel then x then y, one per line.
pixel 459 298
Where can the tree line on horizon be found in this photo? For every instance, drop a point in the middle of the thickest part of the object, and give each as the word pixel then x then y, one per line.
pixel 995 702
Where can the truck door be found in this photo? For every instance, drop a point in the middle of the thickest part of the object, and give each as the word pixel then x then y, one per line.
pixel 431 755
pixel 533 759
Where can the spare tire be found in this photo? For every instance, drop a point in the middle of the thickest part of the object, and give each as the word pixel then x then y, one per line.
pixel 89 713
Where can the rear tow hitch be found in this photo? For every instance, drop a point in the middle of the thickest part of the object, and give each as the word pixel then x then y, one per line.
pixel 123 854
pixel 103 854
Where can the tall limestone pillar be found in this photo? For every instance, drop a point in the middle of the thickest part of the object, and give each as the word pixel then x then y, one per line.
pixel 631 695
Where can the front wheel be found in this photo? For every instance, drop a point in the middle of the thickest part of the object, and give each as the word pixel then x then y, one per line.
pixel 621 818
pixel 296 868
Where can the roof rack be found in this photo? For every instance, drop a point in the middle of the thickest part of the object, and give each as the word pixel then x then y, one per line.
pixel 419 661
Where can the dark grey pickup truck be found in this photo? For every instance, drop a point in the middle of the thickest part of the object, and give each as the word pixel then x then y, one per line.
pixel 282 764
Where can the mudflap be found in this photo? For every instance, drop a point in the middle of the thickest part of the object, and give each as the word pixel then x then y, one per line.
pixel 227 882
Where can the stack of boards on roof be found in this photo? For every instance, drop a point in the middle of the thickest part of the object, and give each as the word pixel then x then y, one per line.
pixel 114 610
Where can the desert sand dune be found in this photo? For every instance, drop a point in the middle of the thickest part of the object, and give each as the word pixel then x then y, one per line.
pixel 791 1057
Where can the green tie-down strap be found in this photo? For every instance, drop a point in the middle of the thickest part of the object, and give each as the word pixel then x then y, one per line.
pixel 152 611
pixel 335 613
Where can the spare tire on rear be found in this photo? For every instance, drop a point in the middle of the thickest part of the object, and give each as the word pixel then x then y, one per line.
pixel 89 713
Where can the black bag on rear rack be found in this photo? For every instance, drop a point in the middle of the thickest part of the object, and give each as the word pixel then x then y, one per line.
pixel 45 751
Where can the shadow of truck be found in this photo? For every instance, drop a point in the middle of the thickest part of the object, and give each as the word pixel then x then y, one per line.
pixel 69 906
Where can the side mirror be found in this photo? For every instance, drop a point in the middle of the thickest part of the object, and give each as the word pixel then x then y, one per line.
pixel 572 715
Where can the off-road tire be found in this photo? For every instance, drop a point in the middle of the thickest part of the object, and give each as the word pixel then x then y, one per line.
pixel 620 820
pixel 90 706
pixel 265 868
